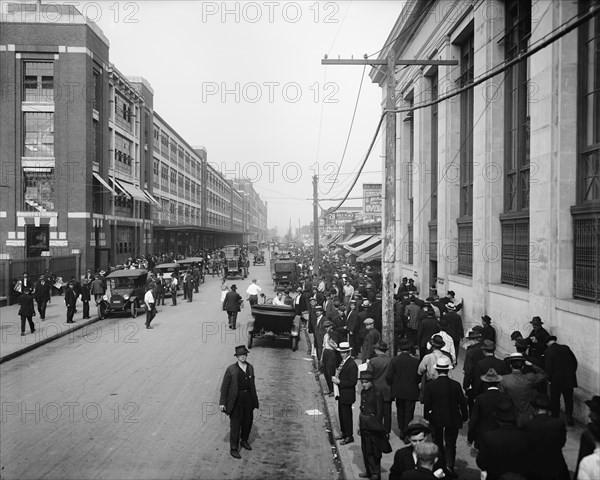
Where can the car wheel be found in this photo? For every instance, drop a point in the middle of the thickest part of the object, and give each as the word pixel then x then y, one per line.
pixel 134 309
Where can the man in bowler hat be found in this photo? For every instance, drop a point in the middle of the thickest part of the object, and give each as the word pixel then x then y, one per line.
pixel 238 400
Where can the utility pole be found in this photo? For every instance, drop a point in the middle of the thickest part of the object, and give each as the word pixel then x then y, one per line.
pixel 389 184
pixel 316 225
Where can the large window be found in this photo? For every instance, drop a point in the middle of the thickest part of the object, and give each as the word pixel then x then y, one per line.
pixel 465 221
pixel 586 214
pixel 515 225
pixel 38 134
pixel 38 82
pixel 38 191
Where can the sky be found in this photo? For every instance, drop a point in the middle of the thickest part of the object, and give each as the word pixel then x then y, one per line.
pixel 245 80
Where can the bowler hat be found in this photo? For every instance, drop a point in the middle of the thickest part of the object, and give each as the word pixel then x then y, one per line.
pixel 366 375
pixel 437 341
pixel 486 318
pixel 491 376
pixel 488 345
pixel 416 426
pixel 233 287
pixel 382 346
pixel 475 332
pixel 405 344
pixel 541 400
pixel 536 321
pixel 443 363
pixel 505 412
pixel 344 347
pixel 241 350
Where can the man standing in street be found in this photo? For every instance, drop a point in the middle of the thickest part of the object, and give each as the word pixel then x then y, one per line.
pixel 42 295
pixel 252 292
pixel 345 380
pixel 150 310
pixel 445 407
pixel 238 400
pixel 403 378
pixel 561 367
pixel 378 365
pixel 85 298
pixel 70 301
pixel 232 304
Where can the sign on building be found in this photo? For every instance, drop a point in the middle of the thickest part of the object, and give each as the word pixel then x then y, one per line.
pixel 372 201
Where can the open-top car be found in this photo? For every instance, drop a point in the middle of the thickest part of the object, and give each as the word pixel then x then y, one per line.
pixel 273 322
pixel 125 290
pixel 169 270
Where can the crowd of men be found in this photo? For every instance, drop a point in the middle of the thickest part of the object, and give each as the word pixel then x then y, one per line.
pixel 509 406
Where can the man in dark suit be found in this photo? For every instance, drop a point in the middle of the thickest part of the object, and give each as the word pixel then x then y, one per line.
pixel 70 301
pixel 472 356
pixel 506 449
pixel 483 366
pixel 328 306
pixel 353 326
pixel 26 310
pixel 482 419
pixel 85 298
pixel 428 327
pixel 455 327
pixel 404 381
pixel 548 437
pixel 42 295
pixel 489 333
pixel 232 305
pixel 238 400
pixel 561 367
pixel 378 365
pixel 537 338
pixel 345 380
pixel 445 407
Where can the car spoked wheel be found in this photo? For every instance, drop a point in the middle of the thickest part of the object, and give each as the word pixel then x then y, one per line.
pixel 134 309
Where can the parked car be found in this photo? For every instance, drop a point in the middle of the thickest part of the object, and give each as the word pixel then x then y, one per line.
pixel 125 290
pixel 169 270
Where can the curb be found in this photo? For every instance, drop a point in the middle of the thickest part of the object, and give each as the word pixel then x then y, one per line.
pixel 44 341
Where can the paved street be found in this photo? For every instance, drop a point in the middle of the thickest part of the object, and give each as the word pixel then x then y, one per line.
pixel 114 400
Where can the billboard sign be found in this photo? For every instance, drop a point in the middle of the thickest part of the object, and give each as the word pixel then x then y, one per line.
pixel 372 200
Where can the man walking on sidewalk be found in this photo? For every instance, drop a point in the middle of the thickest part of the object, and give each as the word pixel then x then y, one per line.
pixel 42 295
pixel 26 310
pixel 150 309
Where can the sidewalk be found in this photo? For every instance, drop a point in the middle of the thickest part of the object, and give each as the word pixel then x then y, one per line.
pixel 351 456
pixel 54 326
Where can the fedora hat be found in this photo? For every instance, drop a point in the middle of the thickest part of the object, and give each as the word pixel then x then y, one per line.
pixel 233 287
pixel 443 363
pixel 344 347
pixel 437 341
pixel 475 332
pixel 486 318
pixel 491 376
pixel 536 321
pixel 416 426
pixel 488 345
pixel 241 350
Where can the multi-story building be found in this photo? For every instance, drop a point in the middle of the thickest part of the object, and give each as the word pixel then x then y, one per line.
pixel 498 187
pixel 87 166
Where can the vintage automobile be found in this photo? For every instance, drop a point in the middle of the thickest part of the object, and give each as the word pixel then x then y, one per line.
pixel 285 273
pixel 125 290
pixel 273 322
pixel 195 263
pixel 233 266
pixel 259 258
pixel 169 270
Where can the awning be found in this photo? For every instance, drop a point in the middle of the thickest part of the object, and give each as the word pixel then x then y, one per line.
pixel 373 254
pixel 334 239
pixel 366 246
pixel 151 198
pixel 103 182
pixel 355 242
pixel 132 191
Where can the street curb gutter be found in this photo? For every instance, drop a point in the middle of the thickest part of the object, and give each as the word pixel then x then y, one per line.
pixel 44 341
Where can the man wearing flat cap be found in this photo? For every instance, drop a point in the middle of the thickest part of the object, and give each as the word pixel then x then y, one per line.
pixel 238 400
pixel 371 339
pixel 482 419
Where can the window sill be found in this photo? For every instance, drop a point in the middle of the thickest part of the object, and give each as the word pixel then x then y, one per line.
pixel 521 293
pixel 461 280
pixel 579 307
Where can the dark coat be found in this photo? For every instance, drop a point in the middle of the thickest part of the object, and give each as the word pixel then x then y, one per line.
pixel 482 420
pixel 403 378
pixel 472 357
pixel 229 387
pixel 561 366
pixel 70 297
pixel 378 365
pixel 455 326
pixel 427 328
pixel 97 287
pixel 353 321
pixel 42 292
pixel 368 347
pixel 506 449
pixel 348 379
pixel 444 403
pixel 232 301
pixel 489 333
pixel 404 461
pixel 541 337
pixel 548 437
pixel 27 309
pixel 85 292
